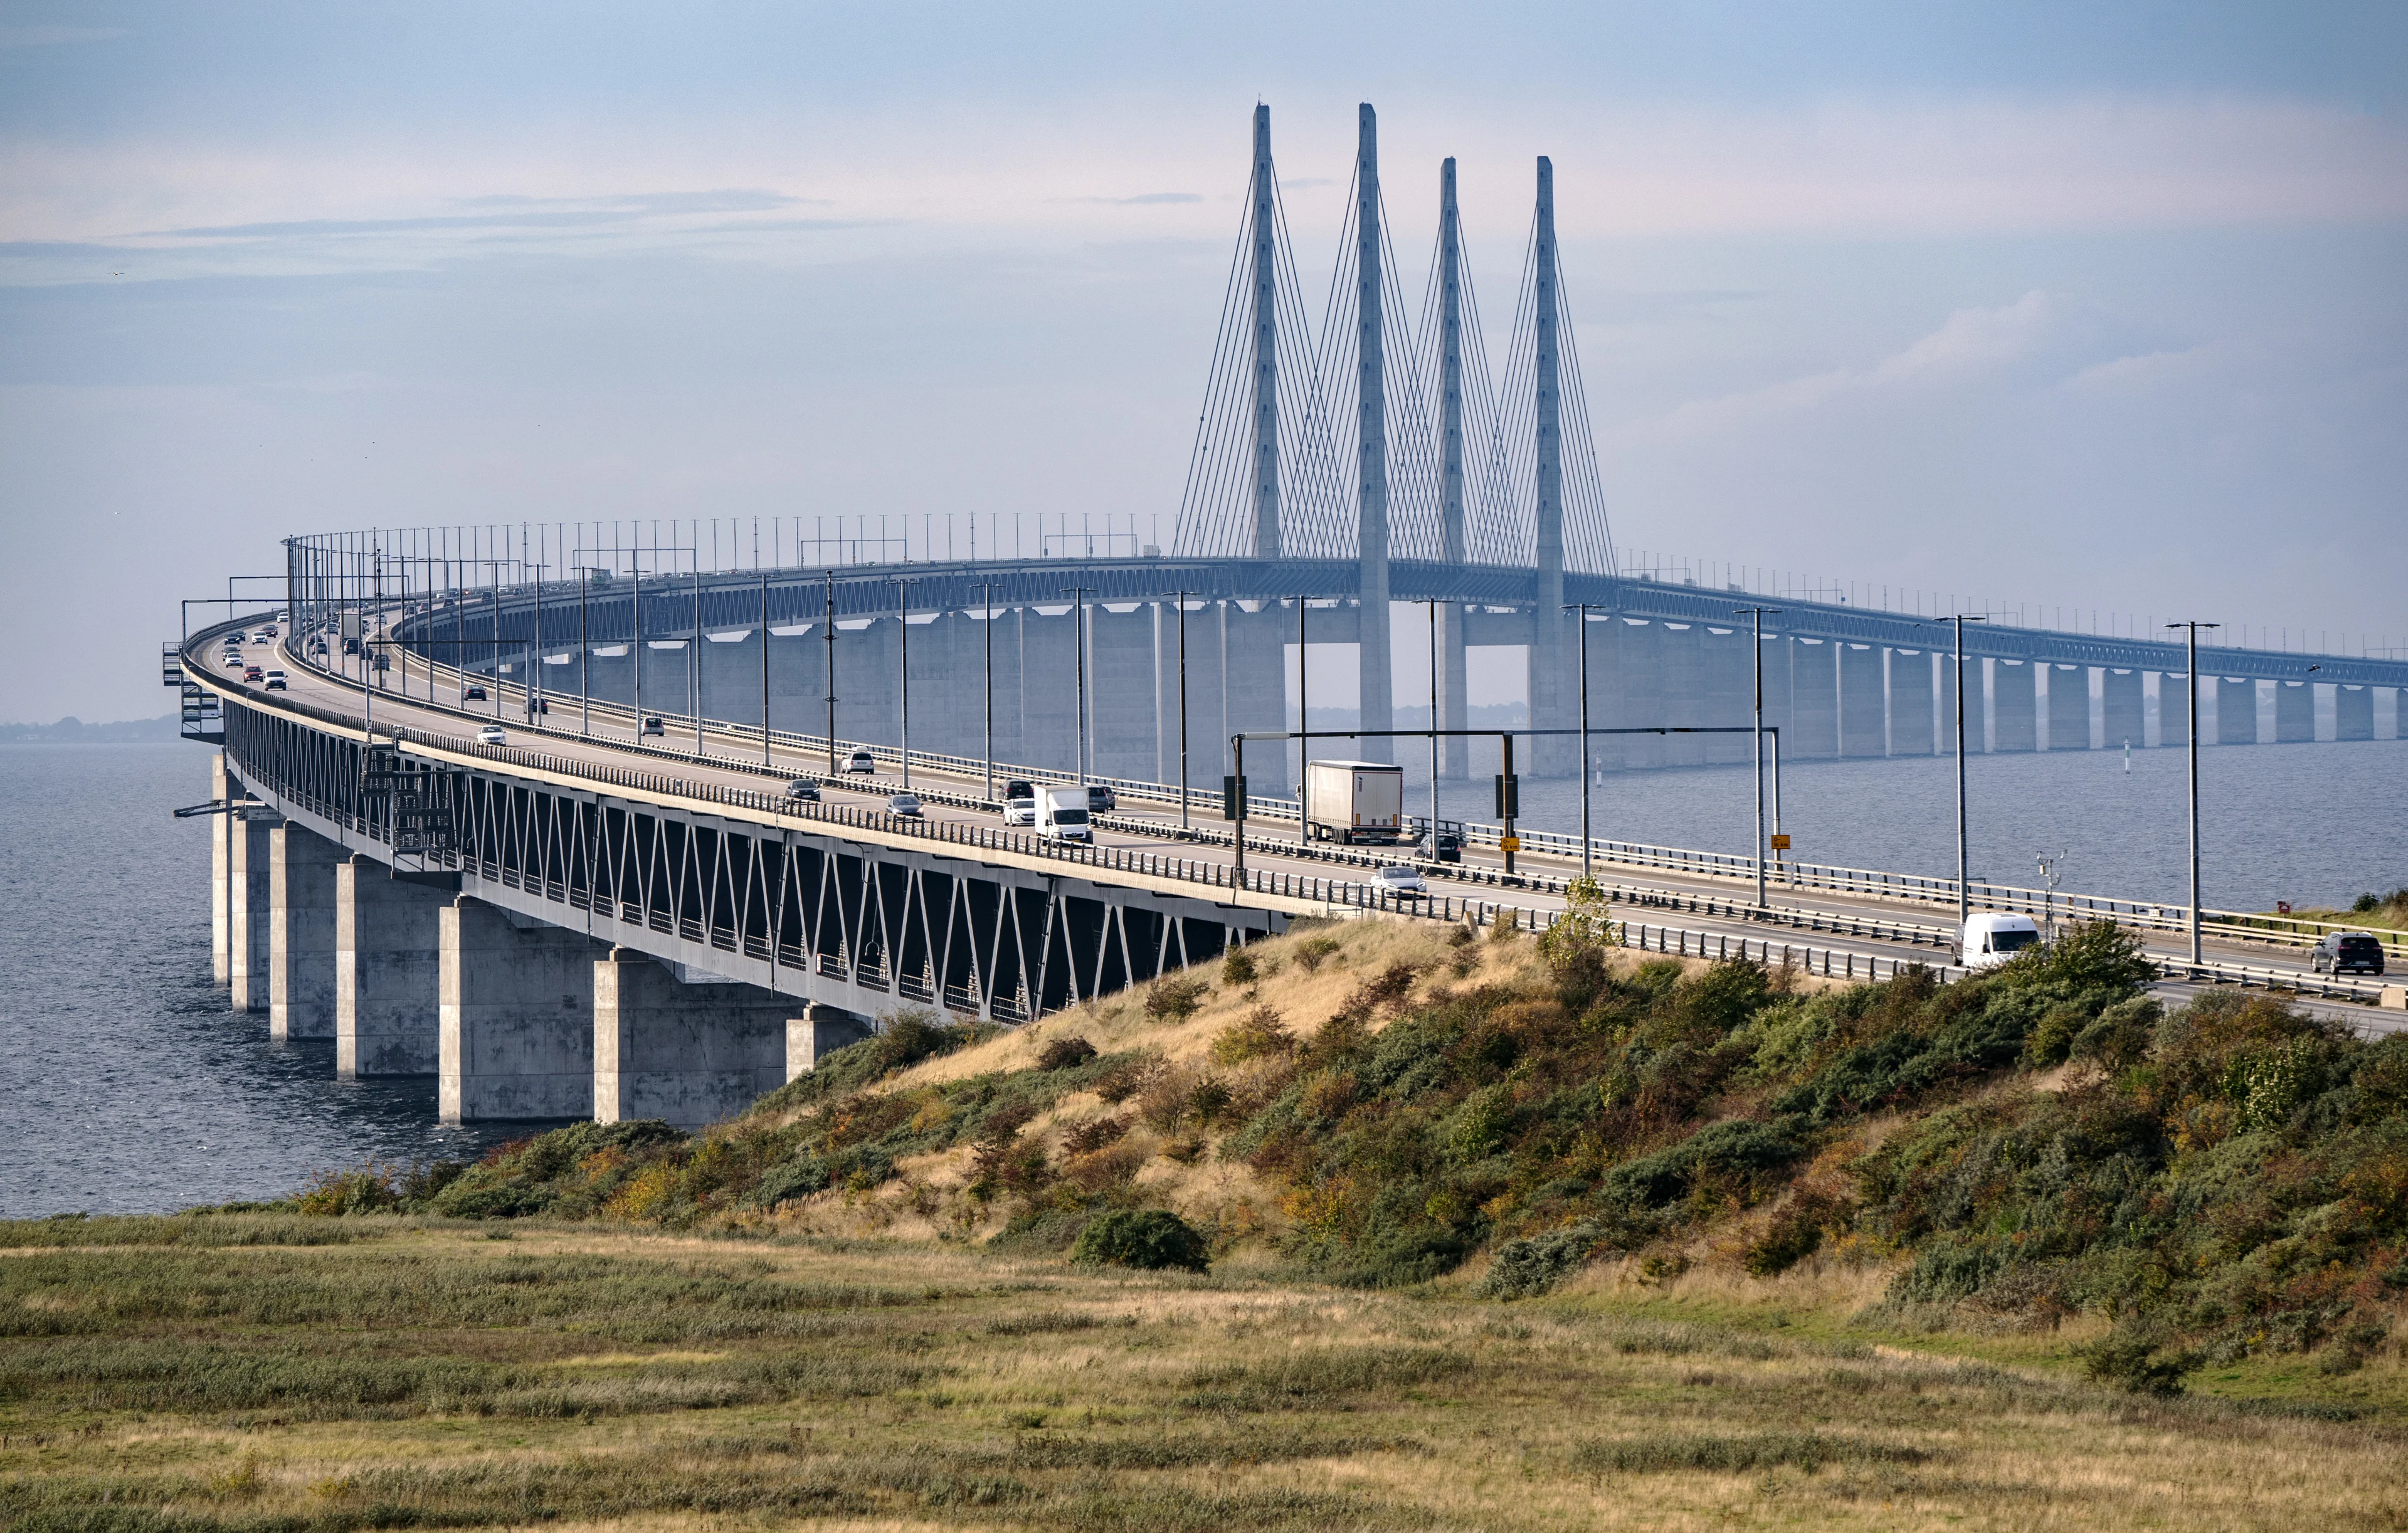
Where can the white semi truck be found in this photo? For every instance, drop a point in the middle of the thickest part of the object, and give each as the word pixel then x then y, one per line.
pixel 1352 801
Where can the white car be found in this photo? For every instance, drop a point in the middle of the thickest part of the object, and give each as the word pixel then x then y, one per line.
pixel 1403 883
pixel 492 735
pixel 1019 811
pixel 275 682
pixel 861 761
pixel 1989 940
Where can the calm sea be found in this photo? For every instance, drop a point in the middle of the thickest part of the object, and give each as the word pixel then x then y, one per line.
pixel 126 1085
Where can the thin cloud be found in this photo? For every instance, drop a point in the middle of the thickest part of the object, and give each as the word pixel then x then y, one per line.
pixel 1143 199
pixel 54 36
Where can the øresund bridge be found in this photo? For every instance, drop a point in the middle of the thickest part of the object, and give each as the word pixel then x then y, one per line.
pixel 618 910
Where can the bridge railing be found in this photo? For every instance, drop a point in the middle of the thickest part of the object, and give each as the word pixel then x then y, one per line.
pixel 1824 878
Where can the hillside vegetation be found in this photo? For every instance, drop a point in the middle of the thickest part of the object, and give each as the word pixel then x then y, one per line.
pixel 2039 1151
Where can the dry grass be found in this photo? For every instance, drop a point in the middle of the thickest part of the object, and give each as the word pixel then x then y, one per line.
pixel 588 1378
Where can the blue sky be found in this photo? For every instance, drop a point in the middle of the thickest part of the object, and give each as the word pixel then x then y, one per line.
pixel 2090 306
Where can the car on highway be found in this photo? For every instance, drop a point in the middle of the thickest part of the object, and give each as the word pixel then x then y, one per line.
pixel 1403 883
pixel 250 673
pixel 352 646
pixel 492 735
pixel 1021 809
pixel 275 682
pixel 803 791
pixel 268 632
pixel 652 725
pixel 861 761
pixel 2347 952
pixel 473 694
pixel 1989 940
pixel 904 804
pixel 1100 799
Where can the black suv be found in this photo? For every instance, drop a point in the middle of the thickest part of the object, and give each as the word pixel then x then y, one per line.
pixel 2347 952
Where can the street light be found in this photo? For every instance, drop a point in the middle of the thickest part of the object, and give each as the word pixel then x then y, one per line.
pixel 1435 726
pixel 1181 597
pixel 986 636
pixel 1964 895
pixel 1758 615
pixel 903 669
pixel 765 646
pixel 1079 595
pixel 1581 629
pixel 2190 680
pixel 828 623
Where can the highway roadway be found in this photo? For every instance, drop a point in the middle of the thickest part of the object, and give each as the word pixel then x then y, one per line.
pixel 1826 919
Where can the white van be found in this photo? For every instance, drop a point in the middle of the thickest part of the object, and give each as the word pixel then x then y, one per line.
pixel 1062 814
pixel 1989 940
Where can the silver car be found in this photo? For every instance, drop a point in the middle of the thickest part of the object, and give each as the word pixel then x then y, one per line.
pixel 1403 883
pixel 904 804
pixel 492 735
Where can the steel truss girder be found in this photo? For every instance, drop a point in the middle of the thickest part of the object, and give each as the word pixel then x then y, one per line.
pixel 857 925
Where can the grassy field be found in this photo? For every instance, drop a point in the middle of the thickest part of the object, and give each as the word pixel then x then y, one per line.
pixel 262 1371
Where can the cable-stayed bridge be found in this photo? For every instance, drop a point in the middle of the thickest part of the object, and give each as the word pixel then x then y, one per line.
pixel 614 911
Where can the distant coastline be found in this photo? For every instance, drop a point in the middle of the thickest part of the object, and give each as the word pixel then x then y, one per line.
pixel 73 731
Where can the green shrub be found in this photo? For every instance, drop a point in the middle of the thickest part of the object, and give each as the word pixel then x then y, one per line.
pixel 1260 1032
pixel 1147 1239
pixel 1175 997
pixel 1239 969
pixel 1536 1263
pixel 1064 1054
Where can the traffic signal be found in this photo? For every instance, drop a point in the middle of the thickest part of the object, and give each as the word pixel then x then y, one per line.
pixel 1233 793
pixel 1508 796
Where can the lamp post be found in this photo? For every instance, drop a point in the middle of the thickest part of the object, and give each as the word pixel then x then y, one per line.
pixel 693 667
pixel 1180 596
pixel 2190 681
pixel 1580 629
pixel 828 624
pixel 584 659
pixel 1964 892
pixel 986 637
pixel 764 647
pixel 1758 615
pixel 1435 726
pixel 1079 595
pixel 903 670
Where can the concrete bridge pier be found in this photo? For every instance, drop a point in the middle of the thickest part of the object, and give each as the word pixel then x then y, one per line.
pixel 2353 714
pixel 301 933
pixel 2069 707
pixel 517 1016
pixel 2295 712
pixel 731 677
pixel 613 674
pixel 691 1053
pixel 798 681
pixel 821 1030
pixel 250 885
pixel 1049 698
pixel 388 973
pixel 2122 712
pixel 2014 706
pixel 1910 703
pixel 2236 711
pixel 1815 701
pixel 1729 692
pixel 1121 692
pixel 1600 639
pixel 1453 679
pixel 1683 699
pixel 1207 749
pixel 1257 668
pixel 222 788
pixel 1638 671
pixel 1944 669
pixel 1864 723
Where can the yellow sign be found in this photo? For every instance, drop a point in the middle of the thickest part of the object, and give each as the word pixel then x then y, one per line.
pixel 1781 843
pixel 1511 843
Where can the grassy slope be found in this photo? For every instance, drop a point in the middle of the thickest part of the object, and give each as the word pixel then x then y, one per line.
pixel 1769 1214
pixel 202 1374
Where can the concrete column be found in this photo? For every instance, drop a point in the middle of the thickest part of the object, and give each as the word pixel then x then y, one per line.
pixel 1864 719
pixel 731 678
pixel 1256 672
pixel 1005 639
pixel 1121 690
pixel 517 1016
pixel 667 687
pixel 864 682
pixel 301 933
pixel 798 681
pixel 223 787
pixel 1049 696
pixel 1944 671
pixel 2122 713
pixel 1813 701
pixel 1683 658
pixel 2353 714
pixel 1206 749
pixel 1730 683
pixel 2236 711
pixel 954 717
pixel 1910 703
pixel 690 1054
pixel 249 883
pixel 388 973
pixel 2015 705
pixel 823 1029
pixel 1640 676
pixel 613 669
pixel 2069 707
pixel 2295 712
pixel 1601 639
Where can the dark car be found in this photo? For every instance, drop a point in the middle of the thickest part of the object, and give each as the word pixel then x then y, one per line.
pixel 1018 787
pixel 2347 952
pixel 474 694
pixel 1100 799
pixel 803 790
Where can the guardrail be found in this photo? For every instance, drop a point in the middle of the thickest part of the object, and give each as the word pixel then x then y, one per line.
pixel 1336 893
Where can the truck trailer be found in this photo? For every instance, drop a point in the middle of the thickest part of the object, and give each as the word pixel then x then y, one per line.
pixel 1354 801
